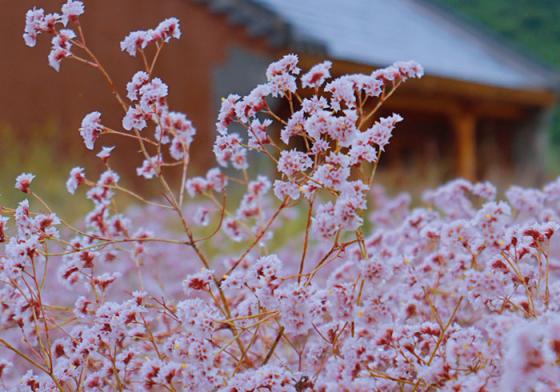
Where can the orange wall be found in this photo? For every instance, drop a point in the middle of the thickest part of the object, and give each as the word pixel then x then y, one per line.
pixel 31 93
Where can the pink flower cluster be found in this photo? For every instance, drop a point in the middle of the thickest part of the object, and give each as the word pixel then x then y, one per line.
pixel 220 286
pixel 37 22
pixel 139 40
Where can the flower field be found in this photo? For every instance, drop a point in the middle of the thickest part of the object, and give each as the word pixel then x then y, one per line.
pixel 201 290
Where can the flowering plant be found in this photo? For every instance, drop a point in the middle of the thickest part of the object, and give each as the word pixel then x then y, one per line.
pixel 460 295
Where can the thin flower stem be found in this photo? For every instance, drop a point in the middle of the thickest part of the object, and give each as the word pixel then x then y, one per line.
pixel 220 222
pixel 183 176
pixel 114 132
pixel 159 46
pixel 114 242
pixel 246 352
pixel 444 330
pixel 259 236
pixel 107 78
pixel 28 359
pixel 144 60
pixel 274 345
pixel 382 100
pixel 305 241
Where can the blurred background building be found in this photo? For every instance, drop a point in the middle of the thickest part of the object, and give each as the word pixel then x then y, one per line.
pixel 481 112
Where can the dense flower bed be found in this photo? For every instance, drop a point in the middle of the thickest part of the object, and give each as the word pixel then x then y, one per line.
pixel 200 292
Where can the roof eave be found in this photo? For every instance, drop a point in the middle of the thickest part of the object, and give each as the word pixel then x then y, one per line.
pixel 262 22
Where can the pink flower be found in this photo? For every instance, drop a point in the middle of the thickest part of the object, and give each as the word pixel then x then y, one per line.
pixel 382 130
pixel 527 201
pixel 167 29
pixel 253 103
pixel 177 126
pixel 23 182
pixel 198 317
pixel 324 221
pixel 298 307
pixel 259 187
pixel 387 75
pixel 314 104
pixel 196 186
pixel 343 129
pixel 202 216
pixel 198 282
pixel 268 377
pixel 228 149
pixel 362 149
pixel 317 75
pixel 371 86
pixel 257 133
pixel 227 113
pixel 34 25
pixel 409 69
pixel 135 118
pixel 3 225
pixel 319 123
pixel 287 64
pixel 153 96
pixel 321 146
pixel 346 212
pixel 281 75
pixel 293 162
pixel 217 181
pixel 343 91
pixel 61 48
pixel 232 228
pixel 180 146
pixel 137 40
pixel 334 172
pixel 76 178
pixel 251 202
pixel 295 126
pixel 108 178
pixel 283 84
pixel 105 153
pixel 399 71
pixel 150 167
pixel 91 129
pixel 71 10
pixel 5 367
pixel 139 79
pixel 283 189
pixel 264 275
pixel 103 281
pixel 459 292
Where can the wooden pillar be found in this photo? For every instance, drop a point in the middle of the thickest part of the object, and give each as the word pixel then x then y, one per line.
pixel 464 127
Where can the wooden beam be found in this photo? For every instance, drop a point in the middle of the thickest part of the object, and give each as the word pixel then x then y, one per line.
pixel 437 85
pixel 449 107
pixel 464 127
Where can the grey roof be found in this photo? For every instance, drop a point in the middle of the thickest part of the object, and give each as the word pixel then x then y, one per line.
pixel 379 32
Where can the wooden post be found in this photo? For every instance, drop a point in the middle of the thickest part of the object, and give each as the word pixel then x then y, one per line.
pixel 464 127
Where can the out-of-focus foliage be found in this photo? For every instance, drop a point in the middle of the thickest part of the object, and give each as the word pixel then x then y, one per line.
pixel 532 24
pixel 37 152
